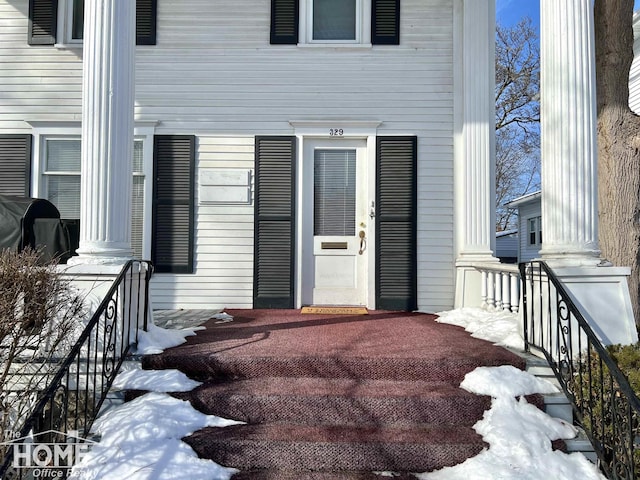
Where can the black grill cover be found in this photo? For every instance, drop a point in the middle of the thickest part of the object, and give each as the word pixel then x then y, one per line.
pixel 35 223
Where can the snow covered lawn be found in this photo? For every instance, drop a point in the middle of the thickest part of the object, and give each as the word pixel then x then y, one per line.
pixel 140 440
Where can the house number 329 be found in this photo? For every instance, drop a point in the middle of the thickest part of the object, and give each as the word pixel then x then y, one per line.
pixel 336 132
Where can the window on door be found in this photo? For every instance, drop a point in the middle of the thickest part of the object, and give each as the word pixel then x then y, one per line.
pixel 334 192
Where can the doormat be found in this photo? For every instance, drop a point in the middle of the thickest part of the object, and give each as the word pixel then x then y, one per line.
pixel 336 310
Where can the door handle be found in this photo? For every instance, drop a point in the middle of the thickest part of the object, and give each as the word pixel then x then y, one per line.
pixel 363 242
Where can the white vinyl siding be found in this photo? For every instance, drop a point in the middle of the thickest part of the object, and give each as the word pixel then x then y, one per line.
pixel 529 213
pixel 634 74
pixel 214 74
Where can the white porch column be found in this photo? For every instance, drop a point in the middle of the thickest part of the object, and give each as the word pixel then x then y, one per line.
pixel 475 146
pixel 570 171
pixel 569 144
pixel 107 131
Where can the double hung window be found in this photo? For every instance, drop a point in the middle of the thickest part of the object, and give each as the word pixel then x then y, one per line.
pixel 60 183
pixel 534 230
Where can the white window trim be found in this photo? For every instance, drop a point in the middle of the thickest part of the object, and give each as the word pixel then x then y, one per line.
pixel 65 26
pixel 363 27
pixel 143 130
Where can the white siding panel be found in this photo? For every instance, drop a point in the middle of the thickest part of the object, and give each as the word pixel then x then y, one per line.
pixel 634 73
pixel 214 74
pixel 525 212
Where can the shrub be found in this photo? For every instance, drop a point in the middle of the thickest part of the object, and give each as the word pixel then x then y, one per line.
pixel 39 323
pixel 604 407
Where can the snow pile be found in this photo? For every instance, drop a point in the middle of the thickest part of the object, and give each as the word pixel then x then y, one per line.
pixel 499 326
pixel 141 441
pixel 156 339
pixel 505 381
pixel 154 380
pixel 519 434
pixel 222 317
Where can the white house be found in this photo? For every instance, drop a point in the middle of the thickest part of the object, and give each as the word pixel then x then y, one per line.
pixel 285 152
pixel 529 225
pixel 290 152
pixel 507 246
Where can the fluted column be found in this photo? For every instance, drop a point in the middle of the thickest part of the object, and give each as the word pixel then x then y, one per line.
pixel 107 131
pixel 569 149
pixel 475 170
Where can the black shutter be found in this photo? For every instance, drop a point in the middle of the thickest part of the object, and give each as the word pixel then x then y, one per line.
pixel 284 22
pixel 396 215
pixel 385 22
pixel 274 242
pixel 15 165
pixel 173 208
pixel 43 22
pixel 146 14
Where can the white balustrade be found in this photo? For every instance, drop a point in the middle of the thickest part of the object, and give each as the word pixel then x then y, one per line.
pixel 500 287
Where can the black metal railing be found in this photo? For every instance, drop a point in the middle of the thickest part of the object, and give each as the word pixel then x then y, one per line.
pixel 604 403
pixel 67 405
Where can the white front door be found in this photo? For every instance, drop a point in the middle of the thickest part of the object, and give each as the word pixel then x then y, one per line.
pixel 339 218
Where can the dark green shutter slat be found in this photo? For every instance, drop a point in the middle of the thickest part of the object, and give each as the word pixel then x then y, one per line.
pixel 385 22
pixel 146 14
pixel 173 205
pixel 15 165
pixel 274 242
pixel 284 22
pixel 43 22
pixel 396 216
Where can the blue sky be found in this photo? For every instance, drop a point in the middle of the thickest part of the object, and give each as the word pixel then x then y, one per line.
pixel 509 12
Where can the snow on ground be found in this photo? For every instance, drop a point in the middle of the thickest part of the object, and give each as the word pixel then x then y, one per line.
pixel 519 434
pixel 156 339
pixel 141 439
pixel 499 327
pixel 170 380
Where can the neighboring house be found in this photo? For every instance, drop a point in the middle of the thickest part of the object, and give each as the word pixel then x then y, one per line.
pixel 634 73
pixel 529 225
pixel 286 152
pixel 507 243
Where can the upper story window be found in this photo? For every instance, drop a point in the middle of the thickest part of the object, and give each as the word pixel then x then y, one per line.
pixel 335 21
pixel 349 22
pixel 61 22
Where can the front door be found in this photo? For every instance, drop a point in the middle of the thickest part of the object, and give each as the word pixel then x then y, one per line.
pixel 339 212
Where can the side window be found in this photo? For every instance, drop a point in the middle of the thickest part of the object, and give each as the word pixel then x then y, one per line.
pixel 534 231
pixel 60 183
pixel 61 175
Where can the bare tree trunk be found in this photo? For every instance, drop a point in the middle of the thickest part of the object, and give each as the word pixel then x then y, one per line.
pixel 618 142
